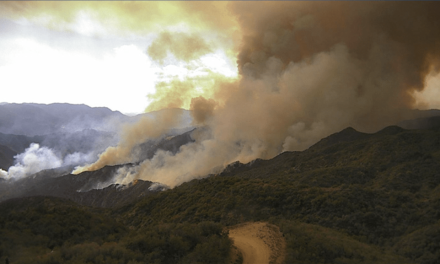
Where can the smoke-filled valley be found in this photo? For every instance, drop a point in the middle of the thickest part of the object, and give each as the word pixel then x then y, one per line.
pixel 325 126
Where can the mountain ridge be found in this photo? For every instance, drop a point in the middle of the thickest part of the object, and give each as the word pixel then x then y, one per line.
pixel 370 198
pixel 352 197
pixel 31 119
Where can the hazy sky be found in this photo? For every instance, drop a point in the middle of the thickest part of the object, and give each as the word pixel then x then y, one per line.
pixel 97 53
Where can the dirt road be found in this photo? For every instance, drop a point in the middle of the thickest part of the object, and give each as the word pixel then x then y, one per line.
pixel 259 243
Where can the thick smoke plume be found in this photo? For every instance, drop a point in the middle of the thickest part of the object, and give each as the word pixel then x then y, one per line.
pixel 148 127
pixel 178 93
pixel 307 69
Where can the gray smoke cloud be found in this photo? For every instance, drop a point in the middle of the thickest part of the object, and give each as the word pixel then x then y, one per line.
pixel 307 70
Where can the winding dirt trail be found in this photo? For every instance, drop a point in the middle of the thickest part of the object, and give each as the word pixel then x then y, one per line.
pixel 259 243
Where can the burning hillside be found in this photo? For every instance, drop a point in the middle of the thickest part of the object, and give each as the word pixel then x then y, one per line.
pixel 306 70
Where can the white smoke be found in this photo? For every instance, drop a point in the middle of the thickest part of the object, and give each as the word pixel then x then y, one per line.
pixel 158 187
pixel 33 160
pixel 123 172
pixel 36 158
pixel 77 158
pixel 3 173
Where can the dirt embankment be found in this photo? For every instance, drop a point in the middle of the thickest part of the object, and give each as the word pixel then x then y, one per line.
pixel 259 243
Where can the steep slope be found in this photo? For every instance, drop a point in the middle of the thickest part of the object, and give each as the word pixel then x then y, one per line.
pixel 171 143
pixel 350 198
pixel 378 189
pixel 85 188
pixel 91 188
pixel 52 230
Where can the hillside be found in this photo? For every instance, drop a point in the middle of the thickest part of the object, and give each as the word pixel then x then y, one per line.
pixel 6 157
pixel 52 230
pixel 379 189
pixel 92 188
pixel 350 198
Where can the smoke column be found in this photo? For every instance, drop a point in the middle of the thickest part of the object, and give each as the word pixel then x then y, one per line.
pixel 307 69
pixel 147 127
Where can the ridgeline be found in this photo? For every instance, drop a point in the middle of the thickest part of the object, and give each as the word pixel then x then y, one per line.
pixel 350 198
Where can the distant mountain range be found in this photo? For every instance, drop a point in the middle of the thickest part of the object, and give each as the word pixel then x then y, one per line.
pixel 352 197
pixel 40 119
pixel 65 128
